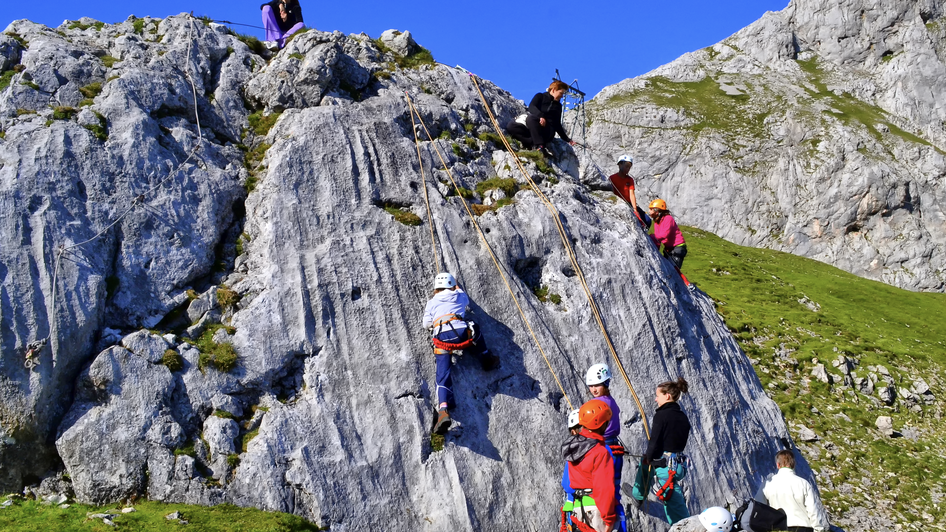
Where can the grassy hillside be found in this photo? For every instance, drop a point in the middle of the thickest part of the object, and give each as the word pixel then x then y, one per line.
pixel 791 314
pixel 26 515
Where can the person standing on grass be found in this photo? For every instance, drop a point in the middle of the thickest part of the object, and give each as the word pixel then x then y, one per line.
pixel 281 18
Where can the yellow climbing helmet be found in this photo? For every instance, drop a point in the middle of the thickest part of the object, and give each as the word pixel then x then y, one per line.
pixel 658 204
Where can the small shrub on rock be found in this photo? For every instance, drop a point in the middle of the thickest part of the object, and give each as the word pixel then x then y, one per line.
pixel 173 360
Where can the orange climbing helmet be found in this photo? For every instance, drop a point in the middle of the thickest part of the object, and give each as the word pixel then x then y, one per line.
pixel 594 414
pixel 658 204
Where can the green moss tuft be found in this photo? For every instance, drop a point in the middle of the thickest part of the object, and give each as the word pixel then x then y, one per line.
pixel 173 360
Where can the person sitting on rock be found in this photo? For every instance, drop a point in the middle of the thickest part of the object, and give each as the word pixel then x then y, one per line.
pixel 667 233
pixel 623 185
pixel 445 315
pixel 787 491
pixel 591 469
pixel 543 120
pixel 281 18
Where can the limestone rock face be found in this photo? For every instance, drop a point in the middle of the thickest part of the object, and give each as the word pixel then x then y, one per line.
pixel 818 130
pixel 318 291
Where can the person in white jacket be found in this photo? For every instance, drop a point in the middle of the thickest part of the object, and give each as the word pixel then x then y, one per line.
pixel 794 495
pixel 445 316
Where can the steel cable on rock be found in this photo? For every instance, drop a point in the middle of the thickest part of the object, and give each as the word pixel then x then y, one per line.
pixel 139 200
pixel 489 249
pixel 569 251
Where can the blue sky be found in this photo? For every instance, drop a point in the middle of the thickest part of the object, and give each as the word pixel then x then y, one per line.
pixel 517 44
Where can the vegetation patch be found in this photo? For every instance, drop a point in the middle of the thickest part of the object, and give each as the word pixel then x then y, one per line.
pixel 227 297
pixel 64 113
pixel 100 130
pixel 541 163
pixel 464 193
pixel 791 314
pixel 415 60
pixel 222 357
pixel 149 516
pixel 436 442
pixel 401 214
pixel 255 45
pixel 247 438
pixel 91 90
pixel 16 37
pixel 544 295
pixel 6 78
pixel 173 360
pixel 489 136
pixel 108 61
pixel 507 185
pixel 261 124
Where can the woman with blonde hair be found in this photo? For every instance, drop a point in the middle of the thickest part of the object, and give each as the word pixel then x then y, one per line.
pixel 543 120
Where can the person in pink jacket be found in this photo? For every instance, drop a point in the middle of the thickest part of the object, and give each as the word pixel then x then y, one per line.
pixel 667 233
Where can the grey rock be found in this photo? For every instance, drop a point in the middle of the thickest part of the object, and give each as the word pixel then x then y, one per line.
pixel 327 329
pixel 821 374
pixel 173 516
pixel 811 305
pixel 147 345
pixel 400 42
pixel 227 404
pixel 920 387
pixel 885 425
pixel 887 394
pixel 800 175
pixel 9 52
pixel 129 510
pixel 690 524
pixel 197 309
pixel 805 434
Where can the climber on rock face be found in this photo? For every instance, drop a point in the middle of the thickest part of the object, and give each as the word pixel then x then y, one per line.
pixel 664 457
pixel 623 184
pixel 667 233
pixel 787 491
pixel 591 469
pixel 281 18
pixel 598 379
pixel 445 315
pixel 543 120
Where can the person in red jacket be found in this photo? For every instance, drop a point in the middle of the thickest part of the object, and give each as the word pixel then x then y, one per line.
pixel 591 468
pixel 667 233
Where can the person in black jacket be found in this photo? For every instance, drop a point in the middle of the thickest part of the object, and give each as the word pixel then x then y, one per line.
pixel 543 121
pixel 664 459
pixel 281 18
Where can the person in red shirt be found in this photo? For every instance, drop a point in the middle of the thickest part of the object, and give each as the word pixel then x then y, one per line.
pixel 623 185
pixel 591 468
pixel 667 233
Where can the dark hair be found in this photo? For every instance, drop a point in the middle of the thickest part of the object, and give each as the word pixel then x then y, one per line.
pixel 785 458
pixel 674 388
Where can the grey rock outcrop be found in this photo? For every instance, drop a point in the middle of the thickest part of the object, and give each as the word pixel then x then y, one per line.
pixel 331 395
pixel 817 130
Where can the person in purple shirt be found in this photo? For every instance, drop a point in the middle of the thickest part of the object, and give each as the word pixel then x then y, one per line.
pixel 598 379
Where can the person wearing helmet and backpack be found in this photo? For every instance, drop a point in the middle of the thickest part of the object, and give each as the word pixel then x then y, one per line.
pixel 667 233
pixel 445 315
pixel 623 185
pixel 574 427
pixel 591 469
pixel 598 380
pixel 664 457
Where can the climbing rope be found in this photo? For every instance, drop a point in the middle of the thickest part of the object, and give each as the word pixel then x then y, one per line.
pixel 569 251
pixel 32 351
pixel 430 217
pixel 489 249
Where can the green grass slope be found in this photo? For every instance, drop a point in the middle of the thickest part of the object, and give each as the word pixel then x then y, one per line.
pixel 790 314
pixel 27 515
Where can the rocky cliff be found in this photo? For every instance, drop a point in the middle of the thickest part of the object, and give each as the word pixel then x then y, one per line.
pixel 212 243
pixel 817 130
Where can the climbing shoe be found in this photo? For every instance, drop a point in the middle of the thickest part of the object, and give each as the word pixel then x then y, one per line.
pixel 443 422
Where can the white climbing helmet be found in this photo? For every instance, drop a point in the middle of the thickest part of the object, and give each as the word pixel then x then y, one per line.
pixel 573 419
pixel 444 280
pixel 597 374
pixel 626 158
pixel 716 519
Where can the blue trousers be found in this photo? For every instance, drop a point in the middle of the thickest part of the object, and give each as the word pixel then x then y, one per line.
pixel 445 365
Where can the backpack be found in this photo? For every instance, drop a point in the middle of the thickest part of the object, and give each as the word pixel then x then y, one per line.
pixel 755 516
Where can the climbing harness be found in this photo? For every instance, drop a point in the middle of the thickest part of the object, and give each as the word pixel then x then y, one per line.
pixel 563 234
pixel 445 348
pixel 138 200
pixel 665 492
pixel 32 353
pixel 482 237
